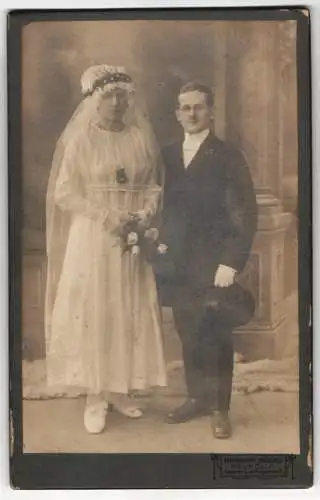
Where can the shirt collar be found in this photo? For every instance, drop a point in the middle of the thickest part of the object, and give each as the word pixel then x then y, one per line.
pixel 196 138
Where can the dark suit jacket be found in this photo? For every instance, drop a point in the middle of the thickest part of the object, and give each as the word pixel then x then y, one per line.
pixel 209 211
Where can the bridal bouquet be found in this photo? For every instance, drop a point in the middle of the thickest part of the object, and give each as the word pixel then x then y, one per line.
pixel 136 238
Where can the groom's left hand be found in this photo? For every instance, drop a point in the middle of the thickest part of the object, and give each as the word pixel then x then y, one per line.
pixel 224 276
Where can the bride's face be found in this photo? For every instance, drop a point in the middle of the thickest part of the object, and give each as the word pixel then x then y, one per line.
pixel 113 106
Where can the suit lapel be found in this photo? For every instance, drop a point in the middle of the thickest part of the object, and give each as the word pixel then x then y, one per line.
pixel 178 156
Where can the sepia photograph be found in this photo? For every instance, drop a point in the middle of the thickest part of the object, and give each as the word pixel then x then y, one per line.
pixel 160 304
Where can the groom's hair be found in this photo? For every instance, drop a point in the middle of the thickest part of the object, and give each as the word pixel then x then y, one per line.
pixel 194 86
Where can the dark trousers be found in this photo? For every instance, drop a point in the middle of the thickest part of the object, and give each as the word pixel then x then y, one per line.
pixel 207 346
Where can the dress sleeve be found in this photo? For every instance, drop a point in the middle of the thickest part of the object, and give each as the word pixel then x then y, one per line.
pixel 147 148
pixel 69 191
pixel 154 185
pixel 152 196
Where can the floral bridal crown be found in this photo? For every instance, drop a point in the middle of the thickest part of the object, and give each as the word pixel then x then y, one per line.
pixel 106 78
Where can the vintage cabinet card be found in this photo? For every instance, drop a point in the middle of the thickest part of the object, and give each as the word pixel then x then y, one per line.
pixel 160 248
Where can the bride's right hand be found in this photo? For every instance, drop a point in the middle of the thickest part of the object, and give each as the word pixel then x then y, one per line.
pixel 117 219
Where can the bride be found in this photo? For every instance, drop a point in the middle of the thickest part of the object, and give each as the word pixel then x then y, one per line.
pixel 102 318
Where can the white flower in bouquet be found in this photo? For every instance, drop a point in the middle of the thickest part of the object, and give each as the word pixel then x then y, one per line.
pixel 132 238
pixel 162 248
pixel 152 233
pixel 135 250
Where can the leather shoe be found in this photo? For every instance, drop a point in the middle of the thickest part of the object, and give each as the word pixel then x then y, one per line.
pixel 220 424
pixel 190 409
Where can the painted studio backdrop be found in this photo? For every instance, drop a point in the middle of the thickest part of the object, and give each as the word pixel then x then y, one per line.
pixel 252 68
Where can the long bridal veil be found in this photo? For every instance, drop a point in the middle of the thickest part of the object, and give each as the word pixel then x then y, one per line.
pixel 58 221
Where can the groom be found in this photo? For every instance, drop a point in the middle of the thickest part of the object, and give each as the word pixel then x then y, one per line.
pixel 209 214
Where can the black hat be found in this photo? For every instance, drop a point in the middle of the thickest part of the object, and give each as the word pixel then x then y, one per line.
pixel 233 304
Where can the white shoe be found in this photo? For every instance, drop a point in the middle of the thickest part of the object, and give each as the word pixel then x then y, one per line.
pixel 95 417
pixel 128 411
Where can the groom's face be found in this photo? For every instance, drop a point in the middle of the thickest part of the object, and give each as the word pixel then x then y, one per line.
pixel 194 112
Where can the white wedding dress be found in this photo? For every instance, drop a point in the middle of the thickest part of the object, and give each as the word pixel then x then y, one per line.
pixel 105 331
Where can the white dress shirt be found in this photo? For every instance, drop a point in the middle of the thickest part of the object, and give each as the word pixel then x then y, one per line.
pixel 191 144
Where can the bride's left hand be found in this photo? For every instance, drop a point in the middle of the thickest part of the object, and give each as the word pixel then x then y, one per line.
pixel 139 216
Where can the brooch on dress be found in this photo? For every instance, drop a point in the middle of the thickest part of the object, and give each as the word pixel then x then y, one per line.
pixel 121 175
